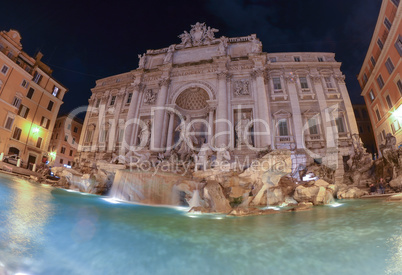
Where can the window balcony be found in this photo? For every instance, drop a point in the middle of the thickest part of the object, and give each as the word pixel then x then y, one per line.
pixel 284 142
pixel 314 141
pixel 279 94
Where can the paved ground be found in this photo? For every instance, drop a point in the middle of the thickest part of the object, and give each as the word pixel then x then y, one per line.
pixel 7 167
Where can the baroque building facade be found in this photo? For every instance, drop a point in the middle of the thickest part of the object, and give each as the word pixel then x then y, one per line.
pixel 380 76
pixel 30 98
pixel 226 92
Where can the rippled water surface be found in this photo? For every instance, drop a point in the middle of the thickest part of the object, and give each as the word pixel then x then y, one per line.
pixel 44 230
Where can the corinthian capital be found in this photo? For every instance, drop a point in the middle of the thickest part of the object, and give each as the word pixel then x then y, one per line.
pixel 316 78
pixel 164 82
pixel 222 74
pixel 257 73
pixel 340 78
pixel 138 86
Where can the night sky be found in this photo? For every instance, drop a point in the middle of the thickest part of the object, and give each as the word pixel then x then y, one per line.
pixel 87 40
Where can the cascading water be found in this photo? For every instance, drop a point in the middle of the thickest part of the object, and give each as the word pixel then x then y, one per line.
pixel 195 200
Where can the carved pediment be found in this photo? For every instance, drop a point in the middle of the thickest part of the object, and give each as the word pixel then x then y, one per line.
pixel 282 113
pixel 199 35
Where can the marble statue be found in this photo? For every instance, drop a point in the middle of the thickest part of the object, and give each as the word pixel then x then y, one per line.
pixel 187 140
pixel 169 55
pixel 145 134
pixel 223 45
pixel 242 131
pixel 241 87
pixel 150 97
pixel 185 39
pixel 142 60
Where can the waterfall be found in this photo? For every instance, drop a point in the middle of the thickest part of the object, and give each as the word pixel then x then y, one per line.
pixel 329 199
pixel 146 187
pixel 195 200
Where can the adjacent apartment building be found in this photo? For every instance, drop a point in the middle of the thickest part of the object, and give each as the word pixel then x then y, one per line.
pixel 30 99
pixel 64 141
pixel 380 77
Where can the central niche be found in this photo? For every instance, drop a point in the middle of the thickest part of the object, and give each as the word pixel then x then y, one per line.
pixel 193 99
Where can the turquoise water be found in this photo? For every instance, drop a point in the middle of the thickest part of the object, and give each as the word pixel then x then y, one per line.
pixel 44 230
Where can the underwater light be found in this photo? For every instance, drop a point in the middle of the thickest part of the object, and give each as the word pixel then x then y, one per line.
pixel 336 204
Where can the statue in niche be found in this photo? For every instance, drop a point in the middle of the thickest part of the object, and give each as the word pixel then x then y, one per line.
pixel 186 139
pixel 142 60
pixel 241 87
pixel 222 155
pixel 185 39
pixel 223 45
pixel 150 97
pixel 242 131
pixel 145 134
pixel 169 55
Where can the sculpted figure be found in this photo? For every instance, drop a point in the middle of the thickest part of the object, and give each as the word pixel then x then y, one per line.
pixel 150 97
pixel 142 60
pixel 242 128
pixel 256 46
pixel 185 39
pixel 187 140
pixel 223 45
pixel 210 35
pixel 145 134
pixel 169 55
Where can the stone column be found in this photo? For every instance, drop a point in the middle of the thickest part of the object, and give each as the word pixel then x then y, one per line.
pixel 129 129
pixel 264 136
pixel 170 133
pixel 340 83
pixel 101 121
pixel 222 130
pixel 157 125
pixel 210 125
pixel 113 131
pixel 296 113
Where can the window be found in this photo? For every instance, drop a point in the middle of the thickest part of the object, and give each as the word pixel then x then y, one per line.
pixel 283 127
pixel 63 150
pixel 112 100
pixel 9 123
pixel 71 153
pixel 69 163
pixel 378 114
pixel 272 59
pixel 16 102
pixel 320 59
pixel 357 113
pixel 61 161
pixel 73 142
pixel 23 111
pixel 50 105
pixel 297 58
pixel 75 129
pixel 121 135
pixel 97 103
pixel 380 81
pixel 398 45
pixel 68 126
pixel 328 82
pixel 130 95
pixel 389 65
pixel 364 113
pixel 17 133
pixel 277 83
pixel 88 137
pixel 372 97
pixel 383 134
pixel 396 2
pixel 365 78
pixel 39 142
pixel 396 125
pixel 30 93
pixel 55 91
pixel 389 102
pixel 103 136
pixel 303 83
pixel 360 129
pixel 57 135
pixel 340 125
pixel 37 77
pixel 312 124
pixel 387 23
pixel 66 138
pixel 4 70
pixel 45 122
pixel 399 84
pixel 373 61
pixel 379 42
pixel 24 83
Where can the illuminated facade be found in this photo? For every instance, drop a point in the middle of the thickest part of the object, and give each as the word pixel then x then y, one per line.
pixel 381 74
pixel 223 87
pixel 30 99
pixel 64 141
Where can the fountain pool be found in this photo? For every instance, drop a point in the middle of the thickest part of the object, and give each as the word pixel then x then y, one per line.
pixel 44 230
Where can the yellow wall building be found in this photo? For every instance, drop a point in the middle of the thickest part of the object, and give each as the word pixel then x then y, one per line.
pixel 30 99
pixel 64 141
pixel 381 74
